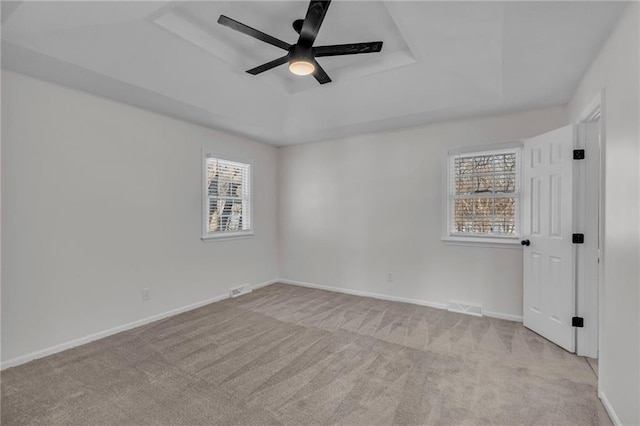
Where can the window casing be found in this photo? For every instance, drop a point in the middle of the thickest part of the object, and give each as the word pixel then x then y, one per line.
pixel 483 195
pixel 226 198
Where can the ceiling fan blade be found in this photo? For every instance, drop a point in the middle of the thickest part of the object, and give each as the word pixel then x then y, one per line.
pixel 348 49
pixel 320 74
pixel 245 29
pixel 268 65
pixel 311 25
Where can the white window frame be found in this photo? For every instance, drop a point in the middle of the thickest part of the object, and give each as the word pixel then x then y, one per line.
pixel 224 235
pixel 499 241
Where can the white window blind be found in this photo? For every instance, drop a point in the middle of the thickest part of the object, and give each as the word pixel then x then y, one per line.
pixel 228 197
pixel 484 194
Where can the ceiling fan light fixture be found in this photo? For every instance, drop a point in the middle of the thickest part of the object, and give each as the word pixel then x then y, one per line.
pixel 301 55
pixel 301 67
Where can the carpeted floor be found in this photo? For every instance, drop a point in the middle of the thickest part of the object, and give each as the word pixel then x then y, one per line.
pixel 297 356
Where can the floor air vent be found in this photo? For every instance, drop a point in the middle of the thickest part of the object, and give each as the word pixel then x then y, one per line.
pixel 239 291
pixel 465 308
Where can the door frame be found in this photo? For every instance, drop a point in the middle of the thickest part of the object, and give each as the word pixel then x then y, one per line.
pixel 589 289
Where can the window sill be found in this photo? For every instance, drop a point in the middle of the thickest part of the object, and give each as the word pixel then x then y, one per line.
pixel 227 236
pixel 503 243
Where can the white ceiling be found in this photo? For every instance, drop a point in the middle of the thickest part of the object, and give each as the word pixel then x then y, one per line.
pixel 440 60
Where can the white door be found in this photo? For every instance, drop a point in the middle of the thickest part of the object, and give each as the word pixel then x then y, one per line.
pixel 549 299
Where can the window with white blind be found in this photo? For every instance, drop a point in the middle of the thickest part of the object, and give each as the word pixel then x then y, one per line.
pixel 483 195
pixel 227 198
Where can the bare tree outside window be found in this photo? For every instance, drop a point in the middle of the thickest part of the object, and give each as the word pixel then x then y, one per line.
pixel 484 194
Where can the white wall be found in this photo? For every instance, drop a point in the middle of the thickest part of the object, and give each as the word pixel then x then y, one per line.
pixel 616 71
pixel 101 199
pixel 354 209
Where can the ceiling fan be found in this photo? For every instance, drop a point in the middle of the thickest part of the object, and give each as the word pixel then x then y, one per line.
pixel 301 56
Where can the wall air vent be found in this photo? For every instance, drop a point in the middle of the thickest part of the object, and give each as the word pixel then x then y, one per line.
pixel 239 291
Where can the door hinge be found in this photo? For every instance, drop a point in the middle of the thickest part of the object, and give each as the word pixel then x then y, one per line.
pixel 577 322
pixel 578 154
pixel 577 238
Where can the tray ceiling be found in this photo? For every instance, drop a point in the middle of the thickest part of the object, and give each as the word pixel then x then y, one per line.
pixel 440 60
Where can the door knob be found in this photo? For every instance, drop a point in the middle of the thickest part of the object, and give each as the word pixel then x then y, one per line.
pixel 525 242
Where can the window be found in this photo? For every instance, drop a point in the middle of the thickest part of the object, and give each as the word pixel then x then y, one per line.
pixel 483 194
pixel 227 198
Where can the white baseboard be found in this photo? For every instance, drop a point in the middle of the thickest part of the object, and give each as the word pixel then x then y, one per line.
pixel 264 284
pixel 610 411
pixel 99 335
pixel 499 315
pixel 367 294
pixel 436 305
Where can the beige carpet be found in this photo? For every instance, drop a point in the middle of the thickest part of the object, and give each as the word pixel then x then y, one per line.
pixel 297 356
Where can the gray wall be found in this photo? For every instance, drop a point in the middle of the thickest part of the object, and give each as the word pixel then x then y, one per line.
pixel 616 74
pixel 99 200
pixel 352 210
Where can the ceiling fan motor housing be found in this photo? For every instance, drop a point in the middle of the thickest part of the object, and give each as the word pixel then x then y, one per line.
pixel 298 52
pixel 297 25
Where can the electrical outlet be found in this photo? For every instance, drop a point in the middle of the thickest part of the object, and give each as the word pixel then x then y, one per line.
pixel 389 277
pixel 146 294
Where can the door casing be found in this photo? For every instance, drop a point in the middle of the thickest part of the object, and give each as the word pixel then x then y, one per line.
pixel 590 220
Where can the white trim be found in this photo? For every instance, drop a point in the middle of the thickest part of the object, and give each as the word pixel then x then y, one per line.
pixel 264 284
pixel 511 243
pixel 587 220
pixel 492 241
pixel 105 333
pixel 430 304
pixel 609 408
pixel 594 106
pixel 466 308
pixel 499 315
pixel 207 236
pixel 366 294
pixel 227 236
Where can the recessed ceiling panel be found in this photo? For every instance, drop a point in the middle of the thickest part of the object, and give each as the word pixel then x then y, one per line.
pixel 441 60
pixel 196 22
